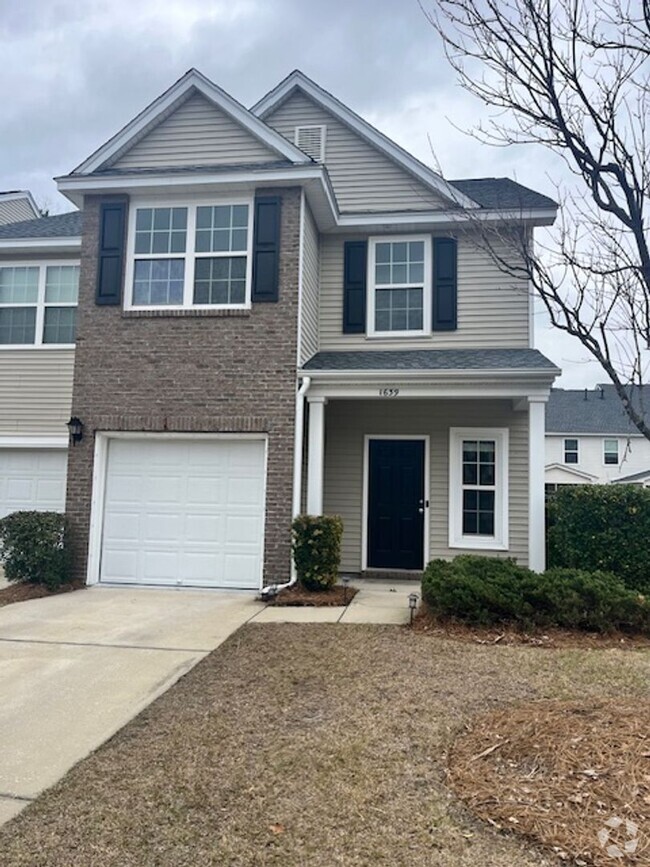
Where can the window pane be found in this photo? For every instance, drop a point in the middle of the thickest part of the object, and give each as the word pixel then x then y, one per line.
pixel 220 281
pixel 221 229
pixel 158 281
pixel 398 310
pixel 571 445
pixel 611 451
pixel 160 230
pixel 382 253
pixel 17 325
pixel 59 325
pixel 470 474
pixel 19 285
pixel 62 284
pixel 478 513
pixel 399 263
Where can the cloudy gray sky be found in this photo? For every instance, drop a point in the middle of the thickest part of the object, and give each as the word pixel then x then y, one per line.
pixel 74 73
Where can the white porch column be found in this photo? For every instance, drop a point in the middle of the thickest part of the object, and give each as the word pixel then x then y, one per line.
pixel 536 499
pixel 316 455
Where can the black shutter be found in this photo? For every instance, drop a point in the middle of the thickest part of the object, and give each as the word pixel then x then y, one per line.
pixel 445 300
pixel 354 287
pixel 266 248
pixel 110 258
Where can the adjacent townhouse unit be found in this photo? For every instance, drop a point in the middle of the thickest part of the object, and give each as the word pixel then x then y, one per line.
pixel 279 309
pixel 16 206
pixel 591 440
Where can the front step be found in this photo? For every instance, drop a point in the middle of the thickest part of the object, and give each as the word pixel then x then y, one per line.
pixel 393 574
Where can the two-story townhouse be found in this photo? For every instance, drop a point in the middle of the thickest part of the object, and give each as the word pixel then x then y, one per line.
pixel 280 309
pixel 591 440
pixel 39 274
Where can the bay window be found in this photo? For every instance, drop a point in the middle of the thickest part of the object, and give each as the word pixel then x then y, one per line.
pixel 399 286
pixel 190 255
pixel 38 304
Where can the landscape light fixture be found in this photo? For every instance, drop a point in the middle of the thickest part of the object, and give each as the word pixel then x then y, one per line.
pixel 76 428
pixel 345 581
pixel 413 603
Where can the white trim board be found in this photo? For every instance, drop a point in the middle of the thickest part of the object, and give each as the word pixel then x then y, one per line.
pixel 193 80
pixel 36 442
pixel 366 490
pixel 98 495
pixel 299 81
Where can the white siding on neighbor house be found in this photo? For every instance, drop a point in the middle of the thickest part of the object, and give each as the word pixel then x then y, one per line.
pixel 310 286
pixel 346 424
pixel 492 307
pixel 15 210
pixel 196 133
pixel 633 454
pixel 364 179
pixel 35 391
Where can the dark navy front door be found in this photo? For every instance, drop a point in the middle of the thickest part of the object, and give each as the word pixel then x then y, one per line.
pixel 396 504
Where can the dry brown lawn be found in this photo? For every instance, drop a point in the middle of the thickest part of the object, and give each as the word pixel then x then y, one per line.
pixel 308 746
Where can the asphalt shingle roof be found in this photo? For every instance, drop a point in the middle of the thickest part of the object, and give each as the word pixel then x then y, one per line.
pixel 633 477
pixel 501 193
pixel 432 359
pixel 599 411
pixel 57 226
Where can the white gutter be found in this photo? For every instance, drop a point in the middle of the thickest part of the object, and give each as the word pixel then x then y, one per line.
pixel 274 589
pixel 70 242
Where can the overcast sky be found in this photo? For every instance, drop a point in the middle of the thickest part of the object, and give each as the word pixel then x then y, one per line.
pixel 74 73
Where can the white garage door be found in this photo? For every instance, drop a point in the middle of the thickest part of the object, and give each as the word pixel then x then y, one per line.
pixel 32 479
pixel 184 512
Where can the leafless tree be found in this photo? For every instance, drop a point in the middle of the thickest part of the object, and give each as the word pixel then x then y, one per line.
pixel 573 76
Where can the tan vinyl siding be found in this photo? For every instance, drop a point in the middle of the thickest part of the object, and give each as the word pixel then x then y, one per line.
pixel 15 210
pixel 196 133
pixel 364 179
pixel 347 422
pixel 35 391
pixel 310 291
pixel 492 307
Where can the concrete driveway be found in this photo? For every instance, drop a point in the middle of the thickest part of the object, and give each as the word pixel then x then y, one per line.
pixel 75 668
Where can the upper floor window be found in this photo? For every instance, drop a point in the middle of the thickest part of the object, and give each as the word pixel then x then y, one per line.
pixel 190 256
pixel 610 451
pixel 399 286
pixel 571 454
pixel 38 304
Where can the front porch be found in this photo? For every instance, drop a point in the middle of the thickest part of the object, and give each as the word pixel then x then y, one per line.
pixel 423 464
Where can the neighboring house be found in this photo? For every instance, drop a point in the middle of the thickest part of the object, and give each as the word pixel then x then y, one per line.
pixel 591 440
pixel 16 206
pixel 39 274
pixel 280 309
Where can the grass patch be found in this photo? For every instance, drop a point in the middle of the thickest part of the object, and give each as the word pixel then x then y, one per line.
pixel 313 744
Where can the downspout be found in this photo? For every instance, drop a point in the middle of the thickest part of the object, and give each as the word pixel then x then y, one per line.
pixel 274 589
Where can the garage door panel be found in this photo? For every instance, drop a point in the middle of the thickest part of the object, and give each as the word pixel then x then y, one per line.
pixel 186 512
pixel 32 479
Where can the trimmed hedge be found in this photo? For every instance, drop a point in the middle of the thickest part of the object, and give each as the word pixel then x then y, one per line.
pixel 317 550
pixel 33 548
pixel 487 591
pixel 602 528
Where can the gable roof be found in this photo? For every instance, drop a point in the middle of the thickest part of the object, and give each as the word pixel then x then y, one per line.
pixel 192 82
pixel 9 198
pixel 57 226
pixel 599 411
pixel 297 80
pixel 572 472
pixel 632 478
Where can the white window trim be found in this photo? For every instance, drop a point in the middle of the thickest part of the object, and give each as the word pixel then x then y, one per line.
pixel 190 256
pixel 323 133
pixel 618 451
pixel 498 542
pixel 425 331
pixel 42 265
pixel 564 451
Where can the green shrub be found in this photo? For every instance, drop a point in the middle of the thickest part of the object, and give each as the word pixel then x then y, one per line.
pixel 484 591
pixel 602 528
pixel 32 548
pixel 317 550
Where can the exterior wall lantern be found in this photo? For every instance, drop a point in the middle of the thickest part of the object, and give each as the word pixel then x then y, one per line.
pixel 76 428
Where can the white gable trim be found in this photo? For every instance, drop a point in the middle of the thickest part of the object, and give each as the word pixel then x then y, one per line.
pixel 192 80
pixel 571 471
pixel 297 80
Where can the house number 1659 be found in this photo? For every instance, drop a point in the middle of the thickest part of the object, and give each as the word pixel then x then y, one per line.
pixel 388 392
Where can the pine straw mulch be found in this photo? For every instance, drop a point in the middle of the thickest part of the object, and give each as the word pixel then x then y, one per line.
pixel 427 623
pixel 23 592
pixel 573 776
pixel 299 596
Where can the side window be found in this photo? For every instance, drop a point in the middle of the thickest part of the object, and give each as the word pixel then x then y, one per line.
pixel 571 451
pixel 610 452
pixel 38 304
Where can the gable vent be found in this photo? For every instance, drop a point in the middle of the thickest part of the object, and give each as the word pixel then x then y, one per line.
pixel 311 140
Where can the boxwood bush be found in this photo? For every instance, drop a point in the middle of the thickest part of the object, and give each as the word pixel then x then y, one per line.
pixel 317 550
pixel 602 528
pixel 488 591
pixel 33 548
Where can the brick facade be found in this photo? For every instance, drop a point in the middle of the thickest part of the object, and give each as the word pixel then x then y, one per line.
pixel 186 372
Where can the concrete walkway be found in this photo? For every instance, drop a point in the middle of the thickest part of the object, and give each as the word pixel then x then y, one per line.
pixel 77 667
